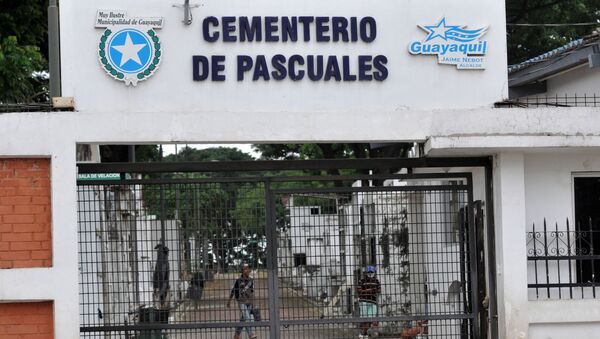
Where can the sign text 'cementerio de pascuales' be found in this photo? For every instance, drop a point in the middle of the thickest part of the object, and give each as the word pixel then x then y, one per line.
pixel 291 30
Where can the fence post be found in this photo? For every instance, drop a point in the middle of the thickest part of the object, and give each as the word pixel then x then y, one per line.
pixel 534 237
pixel 592 253
pixel 569 253
pixel 272 283
pixel 546 259
pixel 558 260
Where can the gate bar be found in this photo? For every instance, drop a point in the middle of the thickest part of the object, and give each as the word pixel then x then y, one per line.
pixel 266 165
pixel 160 326
pixel 261 324
pixel 491 253
pixel 473 261
pixel 412 176
pixel 373 189
pixel 272 279
pixel 378 318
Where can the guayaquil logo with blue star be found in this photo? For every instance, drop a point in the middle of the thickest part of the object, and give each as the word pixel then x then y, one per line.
pixel 129 49
pixel 453 45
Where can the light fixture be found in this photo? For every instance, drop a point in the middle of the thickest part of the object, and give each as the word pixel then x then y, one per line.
pixel 187 11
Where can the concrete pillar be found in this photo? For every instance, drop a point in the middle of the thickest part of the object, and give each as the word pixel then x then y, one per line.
pixel 65 241
pixel 511 254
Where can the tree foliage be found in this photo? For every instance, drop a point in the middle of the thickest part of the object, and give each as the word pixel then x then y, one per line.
pixel 209 154
pixel 18 66
pixel 120 153
pixel 330 151
pixel 23 51
pixel 333 151
pixel 527 42
pixel 225 218
pixel 27 21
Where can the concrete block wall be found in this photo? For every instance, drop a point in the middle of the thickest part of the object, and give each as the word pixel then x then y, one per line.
pixel 25 226
pixel 27 320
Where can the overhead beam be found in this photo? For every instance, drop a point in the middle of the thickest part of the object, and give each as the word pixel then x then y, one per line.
pixel 281 165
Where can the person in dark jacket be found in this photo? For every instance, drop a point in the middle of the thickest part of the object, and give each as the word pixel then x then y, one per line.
pixel 160 281
pixel 243 292
pixel 368 290
pixel 196 289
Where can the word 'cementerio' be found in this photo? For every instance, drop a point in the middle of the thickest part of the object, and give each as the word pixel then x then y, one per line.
pixel 292 28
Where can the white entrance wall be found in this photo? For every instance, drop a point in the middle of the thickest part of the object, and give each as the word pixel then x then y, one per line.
pixel 524 184
pixel 414 81
pixel 509 189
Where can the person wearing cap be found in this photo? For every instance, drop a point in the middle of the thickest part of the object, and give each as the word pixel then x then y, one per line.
pixel 243 292
pixel 368 290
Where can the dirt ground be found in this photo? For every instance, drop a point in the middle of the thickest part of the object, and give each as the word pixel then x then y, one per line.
pixel 213 308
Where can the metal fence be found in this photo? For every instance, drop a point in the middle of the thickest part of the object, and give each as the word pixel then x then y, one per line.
pixel 327 257
pixel 566 100
pixel 30 107
pixel 563 261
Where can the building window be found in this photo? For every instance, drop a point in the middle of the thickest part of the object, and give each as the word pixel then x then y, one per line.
pixel 587 225
pixel 299 259
pixel 564 257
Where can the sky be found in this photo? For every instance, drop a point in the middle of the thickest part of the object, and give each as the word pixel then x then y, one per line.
pixel 247 148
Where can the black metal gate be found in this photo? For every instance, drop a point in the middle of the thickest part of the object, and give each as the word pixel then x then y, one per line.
pixel 163 249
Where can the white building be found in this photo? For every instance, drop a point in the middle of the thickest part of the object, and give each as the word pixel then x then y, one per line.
pixel 122 233
pixel 566 76
pixel 413 240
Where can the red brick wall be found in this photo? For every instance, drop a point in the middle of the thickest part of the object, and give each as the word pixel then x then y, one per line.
pixel 27 320
pixel 25 230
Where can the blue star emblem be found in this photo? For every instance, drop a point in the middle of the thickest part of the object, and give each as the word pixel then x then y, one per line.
pixel 438 30
pixel 130 51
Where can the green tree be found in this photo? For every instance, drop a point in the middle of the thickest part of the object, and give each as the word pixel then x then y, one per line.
pixel 209 154
pixel 23 51
pixel 525 42
pixel 27 21
pixel 19 64
pixel 219 216
pixel 330 151
pixel 250 209
pixel 333 151
pixel 120 153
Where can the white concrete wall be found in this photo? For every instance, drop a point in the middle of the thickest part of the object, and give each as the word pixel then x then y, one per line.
pixel 565 331
pixel 549 183
pixel 580 81
pixel 486 131
pixel 172 87
pixel 549 195
pixel 509 205
pixel 315 235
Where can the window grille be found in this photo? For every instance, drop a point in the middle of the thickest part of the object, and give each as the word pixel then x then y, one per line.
pixel 563 262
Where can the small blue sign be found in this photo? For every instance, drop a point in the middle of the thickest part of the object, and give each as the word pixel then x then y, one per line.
pixel 453 45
